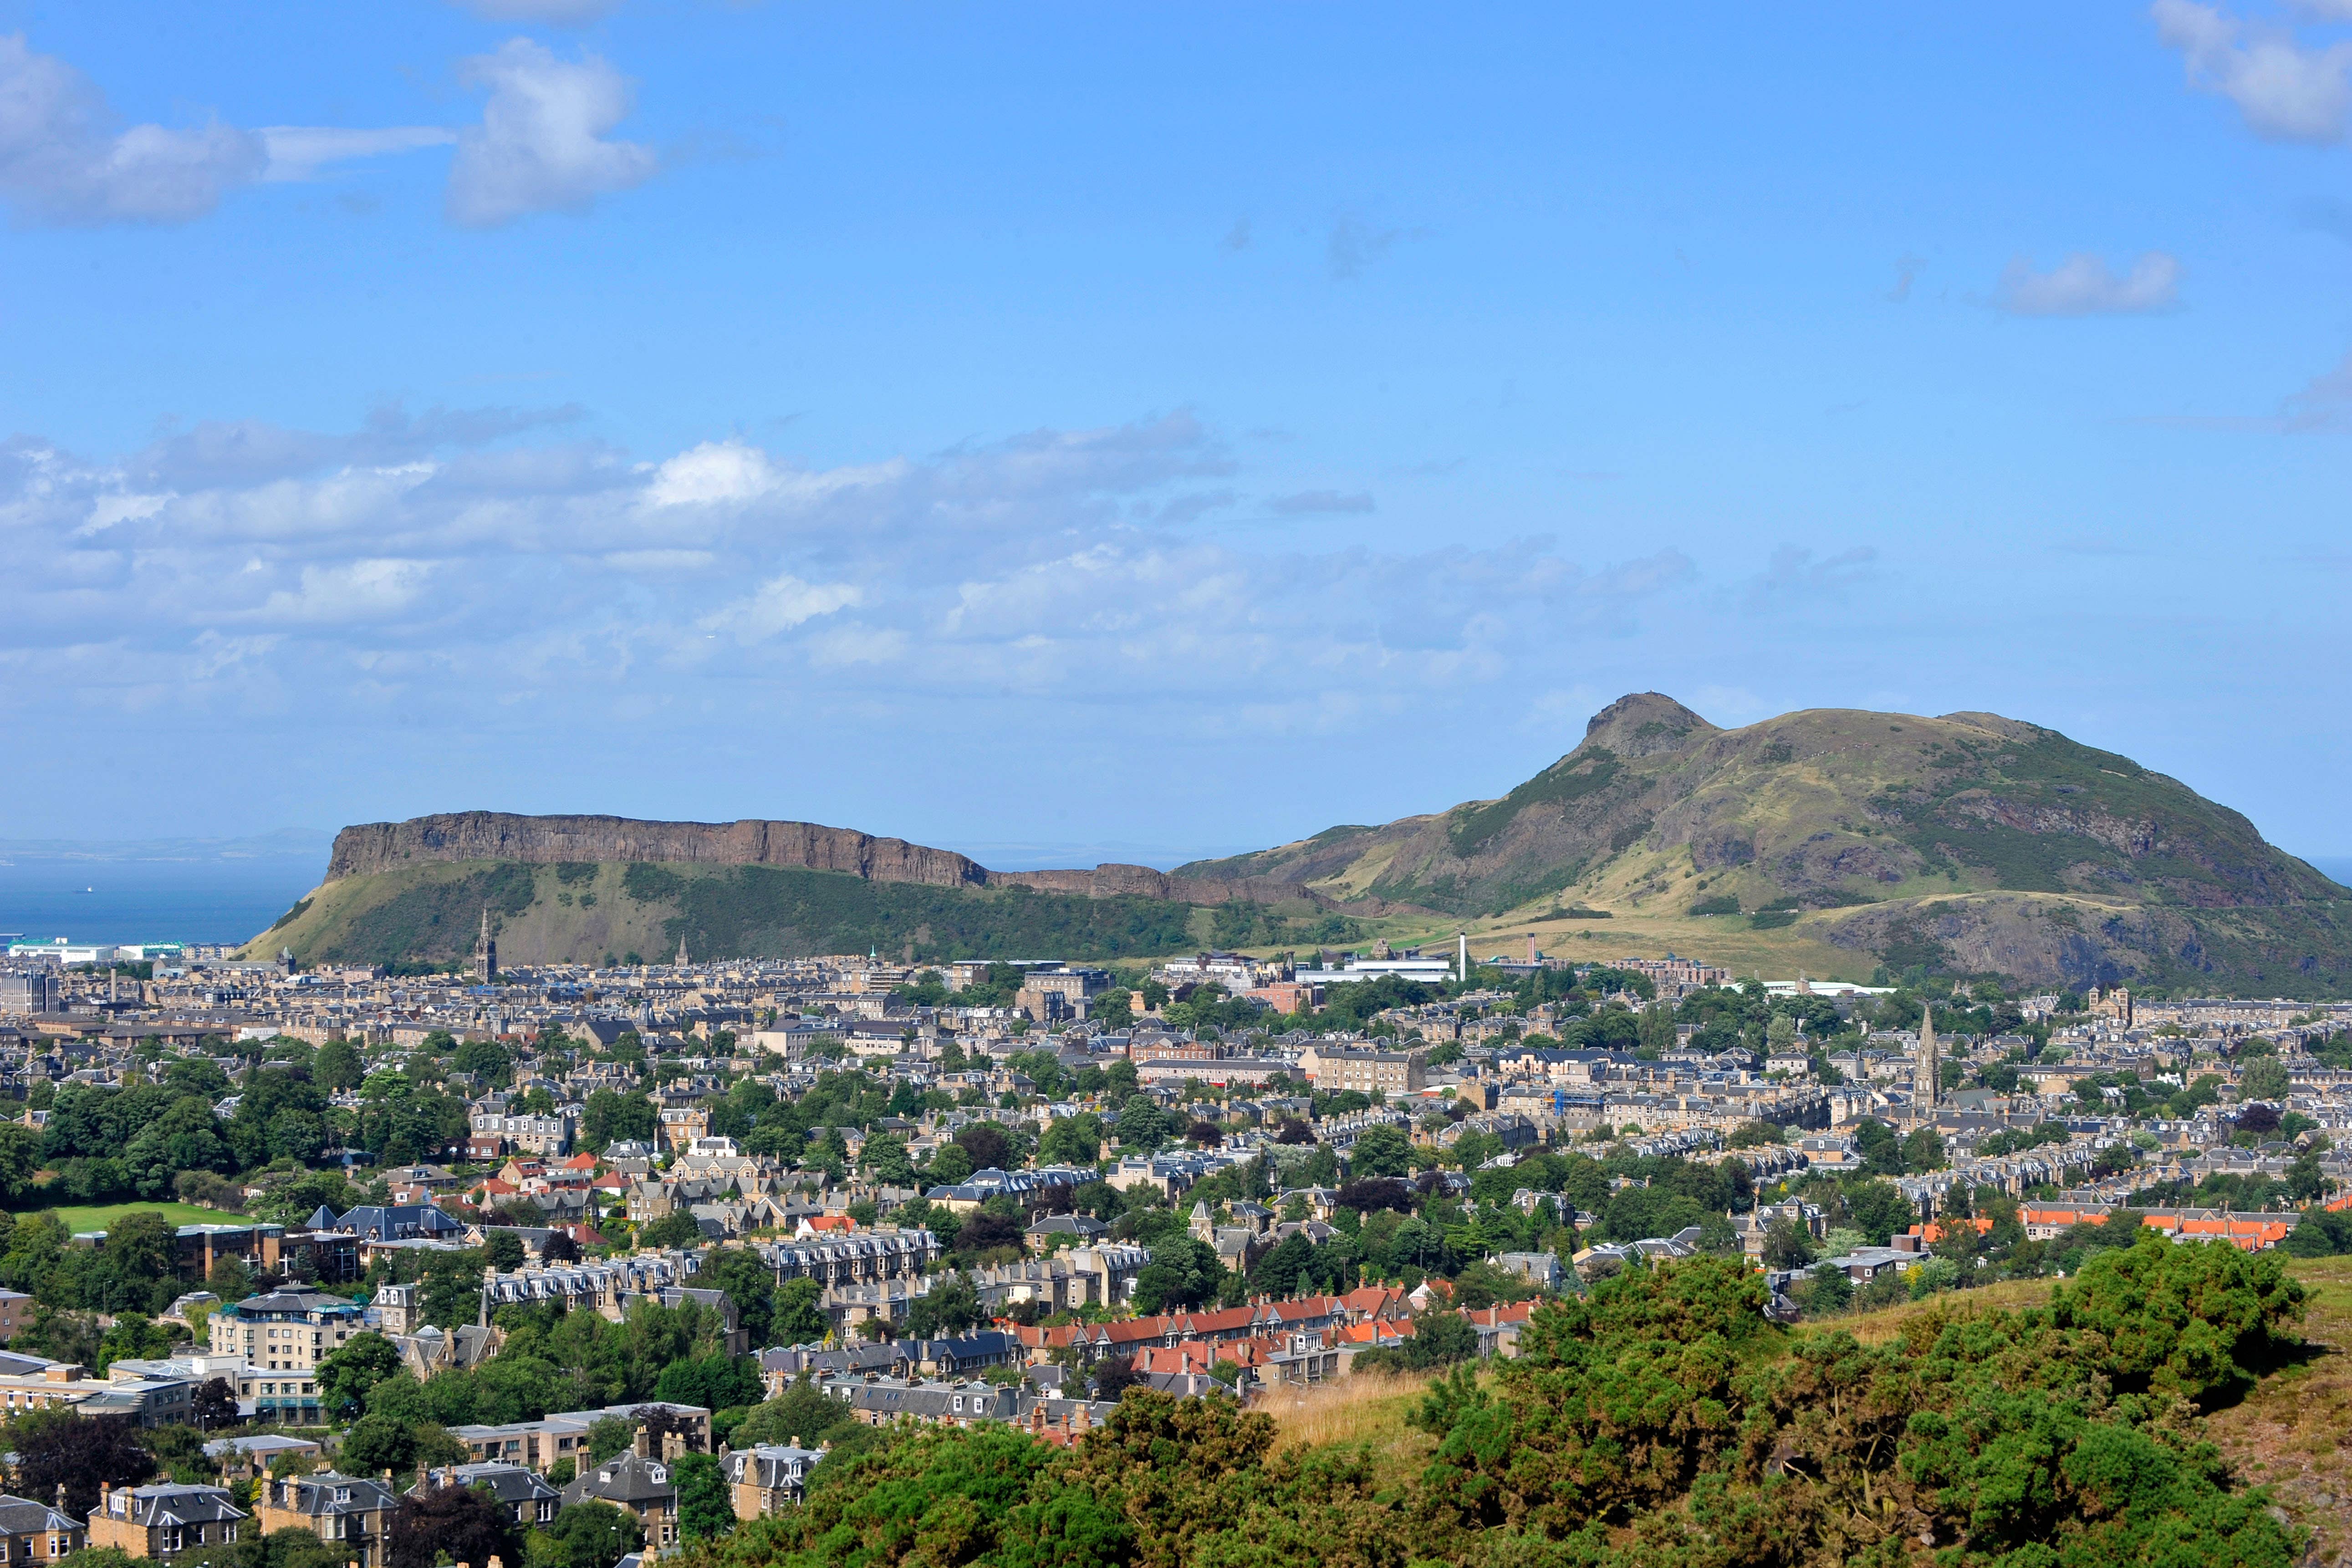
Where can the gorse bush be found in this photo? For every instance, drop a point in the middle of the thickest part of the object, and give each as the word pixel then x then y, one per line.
pixel 1660 1423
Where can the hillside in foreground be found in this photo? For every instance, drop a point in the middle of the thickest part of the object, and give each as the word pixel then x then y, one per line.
pixel 1660 1421
pixel 1965 844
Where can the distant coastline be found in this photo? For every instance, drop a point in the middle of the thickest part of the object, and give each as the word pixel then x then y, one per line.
pixel 154 889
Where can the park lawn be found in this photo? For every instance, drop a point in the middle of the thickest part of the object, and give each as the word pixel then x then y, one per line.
pixel 98 1216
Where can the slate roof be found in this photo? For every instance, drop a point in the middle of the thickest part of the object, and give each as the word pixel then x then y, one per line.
pixel 625 1479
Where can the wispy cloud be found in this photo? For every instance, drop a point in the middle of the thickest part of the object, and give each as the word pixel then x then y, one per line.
pixel 301 151
pixel 1355 244
pixel 2084 285
pixel 1305 503
pixel 547 13
pixel 2322 403
pixel 1907 272
pixel 2286 91
pixel 1797 579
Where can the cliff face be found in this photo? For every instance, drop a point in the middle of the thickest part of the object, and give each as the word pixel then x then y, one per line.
pixel 378 847
pixel 544 840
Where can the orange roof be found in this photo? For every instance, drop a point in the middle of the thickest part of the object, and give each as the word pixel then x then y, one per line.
pixel 1933 1231
pixel 824 1222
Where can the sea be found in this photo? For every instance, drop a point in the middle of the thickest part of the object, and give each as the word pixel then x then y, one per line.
pixel 185 889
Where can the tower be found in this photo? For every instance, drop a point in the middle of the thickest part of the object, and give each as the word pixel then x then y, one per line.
pixel 1463 971
pixel 681 950
pixel 485 950
pixel 1930 1072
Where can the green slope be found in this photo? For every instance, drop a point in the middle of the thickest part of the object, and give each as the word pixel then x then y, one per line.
pixel 1969 843
pixel 581 912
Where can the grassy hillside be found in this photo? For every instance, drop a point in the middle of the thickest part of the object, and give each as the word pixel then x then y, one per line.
pixel 1835 840
pixel 1660 1422
pixel 584 911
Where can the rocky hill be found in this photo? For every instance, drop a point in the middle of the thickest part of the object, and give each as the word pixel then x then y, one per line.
pixel 1967 842
pixel 578 889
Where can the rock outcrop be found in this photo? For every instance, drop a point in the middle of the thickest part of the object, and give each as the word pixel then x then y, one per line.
pixel 496 836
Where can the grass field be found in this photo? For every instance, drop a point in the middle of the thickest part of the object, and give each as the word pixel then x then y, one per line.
pixel 98 1216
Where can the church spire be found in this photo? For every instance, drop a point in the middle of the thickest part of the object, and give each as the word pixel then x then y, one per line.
pixel 485 950
pixel 1931 1075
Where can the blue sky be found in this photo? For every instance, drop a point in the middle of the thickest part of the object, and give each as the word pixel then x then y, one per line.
pixel 1057 430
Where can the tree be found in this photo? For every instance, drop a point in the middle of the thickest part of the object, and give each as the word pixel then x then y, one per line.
pixel 676 1228
pixel 751 1284
pixel 485 1060
pixel 57 1448
pixel 132 1338
pixel 802 1413
pixel 2264 1078
pixel 215 1405
pixel 986 1143
pixel 20 1156
pixel 1072 1141
pixel 455 1523
pixel 608 1435
pixel 703 1509
pixel 348 1373
pixel 885 1160
pixel 1923 1152
pixel 590 1535
pixel 337 1066
pixel 504 1251
pixel 800 1312
pixel 950 1306
pixel 1142 1124
pixel 609 1116
pixel 950 1165
pixel 1115 1376
pixel 377 1443
pixel 1380 1151
pixel 453 1290
pixel 1787 1245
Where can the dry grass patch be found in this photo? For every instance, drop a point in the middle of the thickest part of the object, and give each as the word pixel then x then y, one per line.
pixel 2293 1433
pixel 1369 1408
pixel 1954 1306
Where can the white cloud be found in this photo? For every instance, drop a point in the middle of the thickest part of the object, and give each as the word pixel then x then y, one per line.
pixel 2287 92
pixel 780 604
pixel 541 146
pixel 547 13
pixel 300 152
pixel 714 471
pixel 64 161
pixel 361 590
pixel 399 569
pixel 2084 285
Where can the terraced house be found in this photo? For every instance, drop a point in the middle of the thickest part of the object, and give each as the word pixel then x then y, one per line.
pixel 163 1521
pixel 35 1533
pixel 351 1510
